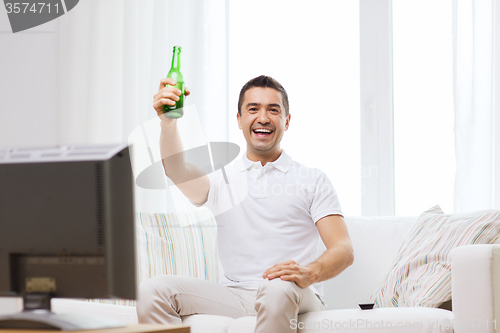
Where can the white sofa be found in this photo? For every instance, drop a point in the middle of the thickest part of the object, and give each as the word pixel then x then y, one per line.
pixel 475 290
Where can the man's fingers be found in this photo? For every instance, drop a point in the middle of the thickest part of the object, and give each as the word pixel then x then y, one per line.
pixel 164 97
pixel 295 279
pixel 280 266
pixel 289 278
pixel 165 81
pixel 171 82
pixel 168 93
pixel 164 101
pixel 158 105
pixel 279 273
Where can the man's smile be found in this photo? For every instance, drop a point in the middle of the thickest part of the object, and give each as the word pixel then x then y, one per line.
pixel 262 132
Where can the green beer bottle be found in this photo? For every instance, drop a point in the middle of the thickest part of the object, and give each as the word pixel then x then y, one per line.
pixel 176 111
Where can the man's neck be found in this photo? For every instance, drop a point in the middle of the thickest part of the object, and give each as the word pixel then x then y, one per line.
pixel 264 158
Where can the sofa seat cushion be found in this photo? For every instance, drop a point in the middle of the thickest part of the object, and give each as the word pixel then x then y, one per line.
pixel 383 320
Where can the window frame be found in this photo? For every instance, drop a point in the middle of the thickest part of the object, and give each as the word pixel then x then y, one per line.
pixel 377 109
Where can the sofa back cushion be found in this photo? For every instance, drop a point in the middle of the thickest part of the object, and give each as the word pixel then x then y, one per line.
pixel 376 241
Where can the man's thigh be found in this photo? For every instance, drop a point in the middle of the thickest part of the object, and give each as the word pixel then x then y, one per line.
pixel 187 296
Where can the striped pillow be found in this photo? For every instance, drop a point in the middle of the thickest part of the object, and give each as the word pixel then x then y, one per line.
pixel 174 243
pixel 421 272
pixel 177 244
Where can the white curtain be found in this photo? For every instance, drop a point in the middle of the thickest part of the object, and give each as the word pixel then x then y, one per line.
pixel 112 55
pixel 474 70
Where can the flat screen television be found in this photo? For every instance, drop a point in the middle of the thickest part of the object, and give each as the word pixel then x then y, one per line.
pixel 66 230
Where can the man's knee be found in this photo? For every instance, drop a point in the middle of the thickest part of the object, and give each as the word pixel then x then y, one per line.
pixel 157 289
pixel 148 288
pixel 156 301
pixel 277 291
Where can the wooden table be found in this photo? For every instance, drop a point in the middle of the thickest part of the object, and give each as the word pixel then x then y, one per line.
pixel 141 328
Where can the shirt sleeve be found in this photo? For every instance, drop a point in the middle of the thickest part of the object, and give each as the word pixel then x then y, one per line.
pixel 324 199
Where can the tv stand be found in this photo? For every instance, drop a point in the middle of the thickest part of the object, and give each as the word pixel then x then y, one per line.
pixel 37 314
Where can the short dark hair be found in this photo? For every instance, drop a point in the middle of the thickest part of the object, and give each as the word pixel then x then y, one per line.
pixel 264 81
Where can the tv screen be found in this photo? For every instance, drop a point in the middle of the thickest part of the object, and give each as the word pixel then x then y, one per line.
pixel 67 222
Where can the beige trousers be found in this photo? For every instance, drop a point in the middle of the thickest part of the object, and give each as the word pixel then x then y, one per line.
pixel 164 299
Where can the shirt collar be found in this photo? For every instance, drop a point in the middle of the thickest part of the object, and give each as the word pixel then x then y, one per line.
pixel 283 163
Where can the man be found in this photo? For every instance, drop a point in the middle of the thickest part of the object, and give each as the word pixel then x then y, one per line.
pixel 269 211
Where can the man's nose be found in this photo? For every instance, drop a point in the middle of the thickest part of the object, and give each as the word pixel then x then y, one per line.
pixel 263 117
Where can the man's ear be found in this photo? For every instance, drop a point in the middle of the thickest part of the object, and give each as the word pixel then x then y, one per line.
pixel 238 117
pixel 287 122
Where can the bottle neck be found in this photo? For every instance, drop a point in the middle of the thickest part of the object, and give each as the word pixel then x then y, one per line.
pixel 176 59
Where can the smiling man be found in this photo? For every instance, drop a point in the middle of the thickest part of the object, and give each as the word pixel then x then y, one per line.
pixel 263 118
pixel 268 241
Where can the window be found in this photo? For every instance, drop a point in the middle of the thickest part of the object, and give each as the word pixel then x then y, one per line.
pixel 424 152
pixel 312 48
pixel 406 130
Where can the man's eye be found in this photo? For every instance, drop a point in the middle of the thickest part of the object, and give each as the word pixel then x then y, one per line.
pixel 252 109
pixel 274 110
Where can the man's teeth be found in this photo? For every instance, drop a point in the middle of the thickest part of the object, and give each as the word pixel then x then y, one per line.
pixel 262 131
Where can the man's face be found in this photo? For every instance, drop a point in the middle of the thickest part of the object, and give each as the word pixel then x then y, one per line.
pixel 263 120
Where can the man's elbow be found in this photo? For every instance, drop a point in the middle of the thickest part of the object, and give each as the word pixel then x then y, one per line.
pixel 350 255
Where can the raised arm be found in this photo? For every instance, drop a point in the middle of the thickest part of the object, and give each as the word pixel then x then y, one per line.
pixel 191 180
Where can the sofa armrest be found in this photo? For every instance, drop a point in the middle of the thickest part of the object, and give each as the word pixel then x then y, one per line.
pixel 476 288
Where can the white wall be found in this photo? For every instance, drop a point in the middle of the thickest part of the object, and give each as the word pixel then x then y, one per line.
pixel 28 84
pixel 28 95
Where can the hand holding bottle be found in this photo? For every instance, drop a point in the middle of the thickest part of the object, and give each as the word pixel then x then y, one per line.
pixel 167 94
pixel 176 111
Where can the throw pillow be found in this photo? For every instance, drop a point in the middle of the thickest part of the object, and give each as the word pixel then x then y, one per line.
pixel 420 275
pixel 182 243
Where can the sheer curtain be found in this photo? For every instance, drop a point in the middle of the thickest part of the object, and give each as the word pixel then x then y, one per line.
pixel 474 70
pixel 320 72
pixel 112 55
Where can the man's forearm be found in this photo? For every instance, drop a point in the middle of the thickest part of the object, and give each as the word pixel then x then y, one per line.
pixel 171 151
pixel 332 262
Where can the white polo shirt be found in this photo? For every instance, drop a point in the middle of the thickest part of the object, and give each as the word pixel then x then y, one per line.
pixel 266 215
